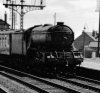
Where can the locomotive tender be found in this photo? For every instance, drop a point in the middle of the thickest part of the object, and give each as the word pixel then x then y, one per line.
pixel 44 48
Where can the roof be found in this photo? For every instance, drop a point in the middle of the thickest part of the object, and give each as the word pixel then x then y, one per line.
pixel 3 22
pixel 10 31
pixel 90 35
pixel 94 44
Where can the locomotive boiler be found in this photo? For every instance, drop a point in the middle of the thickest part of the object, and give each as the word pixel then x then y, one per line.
pixel 59 37
pixel 43 48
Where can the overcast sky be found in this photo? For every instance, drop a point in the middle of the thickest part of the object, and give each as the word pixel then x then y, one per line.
pixel 74 13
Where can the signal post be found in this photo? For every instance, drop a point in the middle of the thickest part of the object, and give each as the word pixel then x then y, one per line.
pixel 19 8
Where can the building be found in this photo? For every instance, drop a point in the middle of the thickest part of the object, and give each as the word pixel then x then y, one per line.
pixel 94 47
pixel 4 25
pixel 87 43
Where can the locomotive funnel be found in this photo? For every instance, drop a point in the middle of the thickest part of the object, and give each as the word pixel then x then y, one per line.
pixel 60 23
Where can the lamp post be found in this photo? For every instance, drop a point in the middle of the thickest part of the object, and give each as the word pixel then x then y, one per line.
pixel 84 42
pixel 54 18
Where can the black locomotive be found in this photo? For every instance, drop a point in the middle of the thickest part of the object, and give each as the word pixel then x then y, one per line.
pixel 42 48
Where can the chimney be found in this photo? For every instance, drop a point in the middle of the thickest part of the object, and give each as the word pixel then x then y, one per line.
pixel 5 17
pixel 60 23
pixel 94 34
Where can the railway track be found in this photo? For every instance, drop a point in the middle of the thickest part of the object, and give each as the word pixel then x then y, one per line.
pixel 87 83
pixel 58 85
pixel 88 72
pixel 39 84
pixel 3 91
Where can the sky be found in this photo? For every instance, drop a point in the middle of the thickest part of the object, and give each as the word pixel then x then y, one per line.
pixel 74 13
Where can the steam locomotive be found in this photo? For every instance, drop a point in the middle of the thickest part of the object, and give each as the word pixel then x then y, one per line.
pixel 41 48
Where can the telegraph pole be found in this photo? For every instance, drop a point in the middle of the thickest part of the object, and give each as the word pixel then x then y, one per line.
pixel 28 8
pixel 98 9
pixel 98 55
pixel 12 15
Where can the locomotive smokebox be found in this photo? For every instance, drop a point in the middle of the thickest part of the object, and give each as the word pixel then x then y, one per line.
pixel 60 23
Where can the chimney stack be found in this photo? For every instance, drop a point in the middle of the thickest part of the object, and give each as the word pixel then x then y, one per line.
pixel 5 17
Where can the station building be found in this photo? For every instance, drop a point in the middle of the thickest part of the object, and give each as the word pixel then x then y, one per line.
pixel 87 43
pixel 4 25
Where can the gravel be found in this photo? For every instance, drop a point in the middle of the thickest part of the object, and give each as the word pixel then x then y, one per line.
pixel 13 87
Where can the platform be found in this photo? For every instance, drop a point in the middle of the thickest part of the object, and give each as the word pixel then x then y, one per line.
pixel 92 63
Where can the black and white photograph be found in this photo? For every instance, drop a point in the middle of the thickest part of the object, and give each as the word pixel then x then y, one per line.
pixel 49 46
